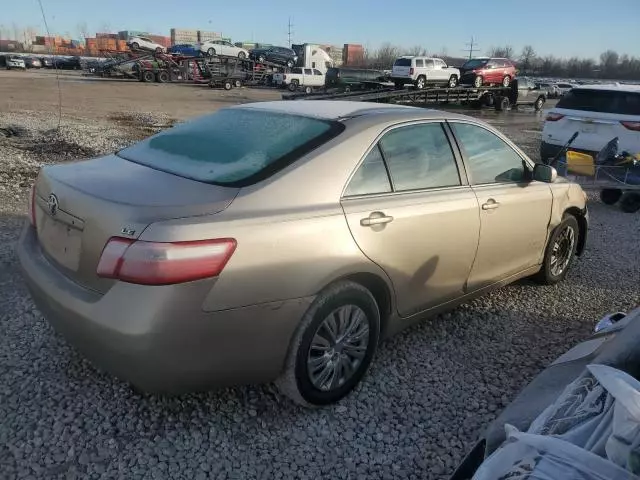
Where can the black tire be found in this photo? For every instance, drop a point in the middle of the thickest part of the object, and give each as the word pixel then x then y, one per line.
pixel 135 46
pixel 163 77
pixel 295 381
pixel 290 63
pixel 398 86
pixel 242 55
pixel 478 81
pixel 506 81
pixel 148 76
pixel 546 275
pixel 453 82
pixel 159 50
pixel 347 88
pixel 293 86
pixel 421 82
pixel 211 52
pixel 308 90
pixel 261 59
pixel 228 85
pixel 502 104
pixel 237 83
pixel 539 104
pixel 610 196
pixel 630 202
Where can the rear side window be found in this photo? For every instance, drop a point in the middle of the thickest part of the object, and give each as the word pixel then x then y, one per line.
pixel 232 147
pixel 371 177
pixel 402 62
pixel 308 71
pixel 419 156
pixel 601 101
pixel 475 63
pixel 296 70
pixel 419 62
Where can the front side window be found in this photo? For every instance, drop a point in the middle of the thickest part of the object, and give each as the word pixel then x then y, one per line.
pixel 371 177
pixel 308 71
pixel 419 156
pixel 317 72
pixel 489 158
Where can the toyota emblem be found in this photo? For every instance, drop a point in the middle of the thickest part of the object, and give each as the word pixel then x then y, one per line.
pixel 52 204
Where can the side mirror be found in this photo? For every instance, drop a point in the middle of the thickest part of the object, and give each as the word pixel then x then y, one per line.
pixel 544 173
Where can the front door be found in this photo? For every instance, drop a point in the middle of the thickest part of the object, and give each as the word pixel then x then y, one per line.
pixel 514 212
pixel 411 212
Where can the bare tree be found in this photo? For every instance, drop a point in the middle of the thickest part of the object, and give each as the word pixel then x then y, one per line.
pixel 416 51
pixel 504 52
pixel 385 55
pixel 609 62
pixel 527 57
pixel 16 31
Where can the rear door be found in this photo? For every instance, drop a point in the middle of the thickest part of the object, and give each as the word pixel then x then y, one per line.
pixel 493 72
pixel 411 212
pixel 439 70
pixel 598 115
pixel 514 213
pixel 401 67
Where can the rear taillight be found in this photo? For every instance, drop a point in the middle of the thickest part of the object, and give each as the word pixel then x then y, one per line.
pixel 635 126
pixel 32 205
pixel 554 117
pixel 159 263
pixel 411 71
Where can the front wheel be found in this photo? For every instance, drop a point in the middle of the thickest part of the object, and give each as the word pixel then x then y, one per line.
pixel 478 81
pixel 333 345
pixel 159 50
pixel 539 104
pixel 135 46
pixel 453 82
pixel 560 252
pixel 242 55
pixel 261 59
pixel 211 52
pixel 228 85
pixel 506 81
pixel 308 90
pixel 293 86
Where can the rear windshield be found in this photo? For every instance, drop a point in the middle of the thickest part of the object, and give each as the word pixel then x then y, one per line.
pixel 603 101
pixel 475 63
pixel 232 147
pixel 402 62
pixel 332 72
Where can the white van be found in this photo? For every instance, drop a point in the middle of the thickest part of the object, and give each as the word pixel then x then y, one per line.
pixel 598 113
pixel 421 71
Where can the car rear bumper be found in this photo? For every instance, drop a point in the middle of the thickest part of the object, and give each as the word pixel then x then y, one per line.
pixel 402 79
pixel 155 337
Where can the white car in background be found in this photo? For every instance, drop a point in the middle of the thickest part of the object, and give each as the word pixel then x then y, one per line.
pixel 421 71
pixel 222 47
pixel 144 43
pixel 564 87
pixel 16 63
pixel 598 113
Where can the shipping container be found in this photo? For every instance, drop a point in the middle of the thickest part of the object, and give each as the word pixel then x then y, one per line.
pixel 204 36
pixel 107 35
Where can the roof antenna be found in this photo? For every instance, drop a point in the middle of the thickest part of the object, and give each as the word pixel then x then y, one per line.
pixel 55 65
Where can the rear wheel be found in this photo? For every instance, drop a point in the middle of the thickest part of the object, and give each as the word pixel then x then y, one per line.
pixel 560 252
pixel 237 83
pixel 228 85
pixel 163 77
pixel 421 82
pixel 333 345
pixel 502 103
pixel 506 81
pixel 610 196
pixel 478 81
pixel 148 76
pixel 135 46
pixel 453 81
pixel 630 202
pixel 242 55
pixel 539 104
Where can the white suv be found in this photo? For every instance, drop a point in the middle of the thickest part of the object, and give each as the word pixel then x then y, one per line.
pixel 598 113
pixel 423 70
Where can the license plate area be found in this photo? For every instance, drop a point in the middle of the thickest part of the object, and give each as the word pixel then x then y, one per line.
pixel 61 242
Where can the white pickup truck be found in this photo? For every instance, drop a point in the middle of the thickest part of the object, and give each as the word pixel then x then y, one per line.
pixel 420 71
pixel 305 78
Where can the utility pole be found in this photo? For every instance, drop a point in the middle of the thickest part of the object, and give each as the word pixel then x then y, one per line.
pixel 472 46
pixel 290 31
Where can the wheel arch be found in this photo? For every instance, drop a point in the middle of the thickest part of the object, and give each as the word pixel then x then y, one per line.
pixel 582 225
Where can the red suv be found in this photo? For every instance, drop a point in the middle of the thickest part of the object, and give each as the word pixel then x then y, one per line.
pixel 487 71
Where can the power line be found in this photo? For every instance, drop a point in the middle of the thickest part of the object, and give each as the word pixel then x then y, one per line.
pixel 472 46
pixel 289 31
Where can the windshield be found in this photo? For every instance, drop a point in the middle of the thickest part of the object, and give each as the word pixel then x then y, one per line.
pixel 475 63
pixel 234 147
pixel 402 62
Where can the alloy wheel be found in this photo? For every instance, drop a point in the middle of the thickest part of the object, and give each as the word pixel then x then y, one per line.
pixel 338 347
pixel 562 251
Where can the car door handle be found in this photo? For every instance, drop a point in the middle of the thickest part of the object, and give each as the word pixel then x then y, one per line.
pixel 376 218
pixel 490 205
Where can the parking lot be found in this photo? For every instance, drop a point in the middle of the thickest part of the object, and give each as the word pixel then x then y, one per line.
pixel 429 393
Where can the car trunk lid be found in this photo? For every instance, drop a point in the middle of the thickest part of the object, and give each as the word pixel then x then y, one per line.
pixel 79 206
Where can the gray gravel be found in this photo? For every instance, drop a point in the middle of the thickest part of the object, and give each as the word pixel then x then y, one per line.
pixel 428 394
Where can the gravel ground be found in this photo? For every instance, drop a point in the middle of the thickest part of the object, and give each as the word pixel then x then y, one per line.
pixel 429 393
